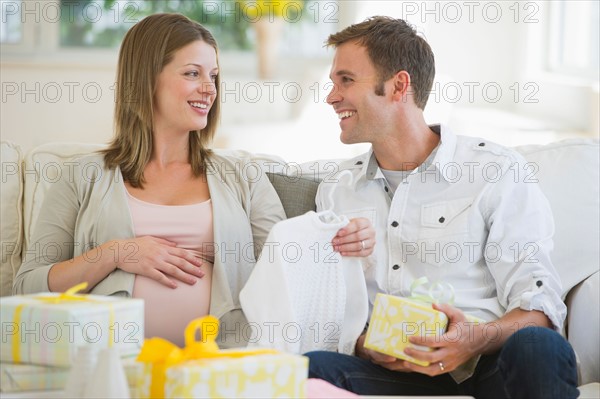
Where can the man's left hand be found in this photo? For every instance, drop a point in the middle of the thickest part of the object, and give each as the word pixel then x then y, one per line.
pixel 357 238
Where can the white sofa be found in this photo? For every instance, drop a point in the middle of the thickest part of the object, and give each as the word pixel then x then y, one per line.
pixel 568 172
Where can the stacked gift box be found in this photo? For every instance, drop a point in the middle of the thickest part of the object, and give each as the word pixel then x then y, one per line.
pixel 31 377
pixel 42 333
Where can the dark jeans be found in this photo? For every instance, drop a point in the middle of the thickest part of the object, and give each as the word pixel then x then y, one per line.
pixel 534 362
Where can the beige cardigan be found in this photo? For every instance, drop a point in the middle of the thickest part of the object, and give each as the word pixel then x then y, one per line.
pixel 88 207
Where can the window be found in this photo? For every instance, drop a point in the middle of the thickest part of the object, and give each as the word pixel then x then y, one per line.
pixel 574 38
pixel 55 25
pixel 10 28
pixel 103 23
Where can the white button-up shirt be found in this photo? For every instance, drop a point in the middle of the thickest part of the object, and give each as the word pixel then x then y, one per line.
pixel 474 223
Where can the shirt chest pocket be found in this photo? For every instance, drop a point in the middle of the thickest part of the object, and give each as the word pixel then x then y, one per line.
pixel 446 218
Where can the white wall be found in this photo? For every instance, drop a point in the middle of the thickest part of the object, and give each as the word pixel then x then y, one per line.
pixel 478 50
pixel 44 102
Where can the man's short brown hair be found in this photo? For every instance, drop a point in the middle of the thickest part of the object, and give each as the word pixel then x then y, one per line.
pixel 393 45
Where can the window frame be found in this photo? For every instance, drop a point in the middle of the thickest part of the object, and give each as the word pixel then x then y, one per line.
pixel 553 64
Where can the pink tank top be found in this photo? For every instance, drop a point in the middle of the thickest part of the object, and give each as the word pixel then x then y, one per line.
pixel 167 311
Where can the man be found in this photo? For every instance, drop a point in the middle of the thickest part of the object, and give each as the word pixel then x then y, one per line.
pixel 452 209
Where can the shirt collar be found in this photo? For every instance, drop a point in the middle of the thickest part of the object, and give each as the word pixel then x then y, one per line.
pixel 444 155
pixel 446 150
pixel 371 169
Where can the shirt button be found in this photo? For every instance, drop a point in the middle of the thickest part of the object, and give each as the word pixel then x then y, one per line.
pixel 539 283
pixel 386 189
pixel 482 144
pixel 394 224
pixel 359 163
pixel 442 219
pixel 395 267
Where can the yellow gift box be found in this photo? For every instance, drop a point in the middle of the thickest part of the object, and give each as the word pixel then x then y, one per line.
pixel 46 329
pixel 202 370
pixel 395 319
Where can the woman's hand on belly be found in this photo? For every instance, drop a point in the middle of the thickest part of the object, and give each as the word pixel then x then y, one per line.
pixel 158 259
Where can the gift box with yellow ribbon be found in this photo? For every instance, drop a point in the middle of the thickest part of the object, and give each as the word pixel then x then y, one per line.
pixel 47 329
pixel 394 319
pixel 202 370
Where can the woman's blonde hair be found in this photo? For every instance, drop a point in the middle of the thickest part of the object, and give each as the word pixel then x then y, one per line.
pixel 147 47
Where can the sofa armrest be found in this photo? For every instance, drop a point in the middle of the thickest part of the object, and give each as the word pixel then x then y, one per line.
pixel 583 326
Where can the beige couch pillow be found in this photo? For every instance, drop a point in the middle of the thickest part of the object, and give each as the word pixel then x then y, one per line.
pixel 12 221
pixel 42 167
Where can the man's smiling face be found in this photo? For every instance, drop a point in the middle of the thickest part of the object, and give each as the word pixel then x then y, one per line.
pixel 362 113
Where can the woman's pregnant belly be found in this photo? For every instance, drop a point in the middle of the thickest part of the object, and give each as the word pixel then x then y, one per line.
pixel 167 311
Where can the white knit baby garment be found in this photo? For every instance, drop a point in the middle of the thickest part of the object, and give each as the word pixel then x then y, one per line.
pixel 301 295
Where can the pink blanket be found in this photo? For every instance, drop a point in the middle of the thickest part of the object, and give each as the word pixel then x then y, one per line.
pixel 317 388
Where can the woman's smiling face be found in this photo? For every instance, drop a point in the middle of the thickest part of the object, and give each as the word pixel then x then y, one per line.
pixel 185 89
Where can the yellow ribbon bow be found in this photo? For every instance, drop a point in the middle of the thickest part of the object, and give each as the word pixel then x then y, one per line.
pixel 439 292
pixel 163 354
pixel 68 295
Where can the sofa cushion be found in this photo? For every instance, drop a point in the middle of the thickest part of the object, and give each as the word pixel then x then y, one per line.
pixel 42 168
pixel 590 391
pixel 297 194
pixel 12 218
pixel 568 172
